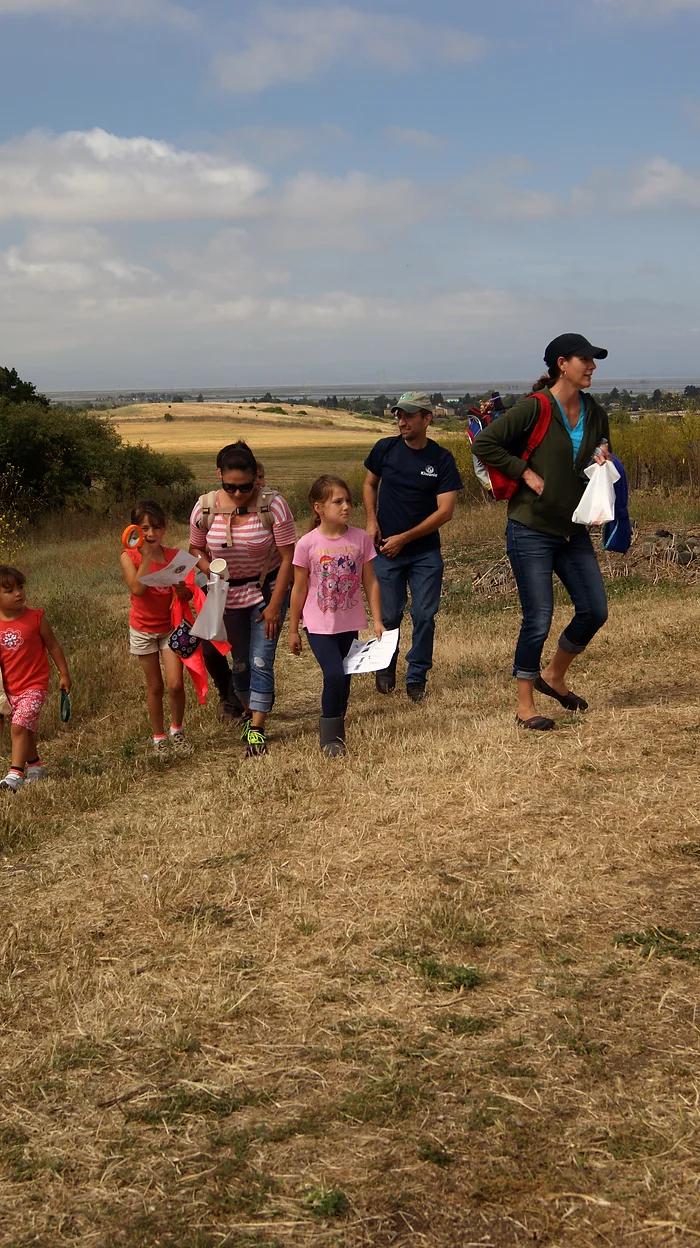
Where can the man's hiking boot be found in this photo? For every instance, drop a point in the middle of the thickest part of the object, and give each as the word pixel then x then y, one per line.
pixel 331 735
pixel 385 680
pixel 416 692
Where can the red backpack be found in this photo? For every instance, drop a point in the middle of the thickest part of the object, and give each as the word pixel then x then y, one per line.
pixel 503 487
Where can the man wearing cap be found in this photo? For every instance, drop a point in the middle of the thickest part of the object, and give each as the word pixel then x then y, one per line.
pixel 415 481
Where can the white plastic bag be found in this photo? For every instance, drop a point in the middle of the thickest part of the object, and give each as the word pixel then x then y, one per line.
pixel 597 505
pixel 209 625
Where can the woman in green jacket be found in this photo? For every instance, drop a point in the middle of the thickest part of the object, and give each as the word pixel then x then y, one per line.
pixel 540 536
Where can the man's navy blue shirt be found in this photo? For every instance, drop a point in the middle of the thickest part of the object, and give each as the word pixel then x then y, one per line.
pixel 410 483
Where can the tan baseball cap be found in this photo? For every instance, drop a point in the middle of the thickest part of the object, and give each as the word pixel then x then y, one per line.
pixel 413 401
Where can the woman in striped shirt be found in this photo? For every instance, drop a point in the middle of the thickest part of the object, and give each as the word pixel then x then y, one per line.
pixel 254 533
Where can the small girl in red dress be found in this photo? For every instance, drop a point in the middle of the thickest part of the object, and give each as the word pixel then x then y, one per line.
pixel 26 640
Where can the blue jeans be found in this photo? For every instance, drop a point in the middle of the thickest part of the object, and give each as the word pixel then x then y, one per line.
pixel 253 655
pixel 422 574
pixel 329 650
pixel 534 557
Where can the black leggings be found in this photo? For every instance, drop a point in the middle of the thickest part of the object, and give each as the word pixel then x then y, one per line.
pixel 330 649
pixel 218 668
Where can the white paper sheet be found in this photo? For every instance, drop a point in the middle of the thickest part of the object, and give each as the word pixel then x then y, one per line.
pixel 172 573
pixel 371 656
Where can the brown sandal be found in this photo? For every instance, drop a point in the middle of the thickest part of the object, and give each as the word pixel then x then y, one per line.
pixel 539 723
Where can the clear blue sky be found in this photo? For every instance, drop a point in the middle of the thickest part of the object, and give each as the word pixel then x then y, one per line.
pixel 224 193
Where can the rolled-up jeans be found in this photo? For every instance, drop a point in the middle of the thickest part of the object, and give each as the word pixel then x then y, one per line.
pixel 253 655
pixel 534 558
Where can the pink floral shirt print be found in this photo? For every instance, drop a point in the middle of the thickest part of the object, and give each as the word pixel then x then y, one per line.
pixel 334 599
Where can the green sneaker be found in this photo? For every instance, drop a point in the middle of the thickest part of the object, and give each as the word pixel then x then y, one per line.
pixel 246 724
pixel 256 743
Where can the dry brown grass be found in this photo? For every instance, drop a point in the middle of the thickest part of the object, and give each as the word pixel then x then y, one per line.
pixel 294 447
pixel 236 997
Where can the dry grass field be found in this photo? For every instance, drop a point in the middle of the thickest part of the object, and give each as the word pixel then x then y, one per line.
pixel 443 992
pixel 294 443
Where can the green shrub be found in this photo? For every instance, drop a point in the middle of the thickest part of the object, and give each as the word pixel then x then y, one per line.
pixel 63 459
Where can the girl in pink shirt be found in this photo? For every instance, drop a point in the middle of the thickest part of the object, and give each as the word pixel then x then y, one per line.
pixel 332 564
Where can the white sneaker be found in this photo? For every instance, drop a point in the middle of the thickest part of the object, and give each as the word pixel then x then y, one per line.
pixel 34 774
pixel 12 781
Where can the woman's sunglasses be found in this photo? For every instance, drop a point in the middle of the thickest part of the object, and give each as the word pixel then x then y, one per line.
pixel 245 488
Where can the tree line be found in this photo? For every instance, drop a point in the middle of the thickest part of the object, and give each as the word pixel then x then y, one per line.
pixel 56 458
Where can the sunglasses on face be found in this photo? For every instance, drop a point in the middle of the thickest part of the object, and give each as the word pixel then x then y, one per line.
pixel 245 488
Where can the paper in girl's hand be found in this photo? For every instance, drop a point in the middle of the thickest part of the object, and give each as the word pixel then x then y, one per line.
pixel 177 570
pixel 597 505
pixel 371 656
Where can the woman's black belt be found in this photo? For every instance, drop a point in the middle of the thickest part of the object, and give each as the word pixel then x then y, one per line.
pixel 234 582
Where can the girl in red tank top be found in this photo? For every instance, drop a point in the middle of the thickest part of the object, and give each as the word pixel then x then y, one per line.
pixel 150 626
pixel 26 641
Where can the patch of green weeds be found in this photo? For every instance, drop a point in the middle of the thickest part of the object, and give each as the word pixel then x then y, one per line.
pixel 327 1202
pixel 21 1164
pixel 464 672
pixel 665 942
pixel 129 747
pixel 449 976
pixel 305 927
pixel 436 1154
pixel 85 1054
pixel 148 1229
pixel 186 1042
pixel 236 1143
pixel 464 1024
pixel 484 1114
pixel 690 848
pixel 501 1066
pixel 308 1123
pixel 221 860
pixel 630 1142
pixel 185 1102
pixel 382 1100
pixel 454 922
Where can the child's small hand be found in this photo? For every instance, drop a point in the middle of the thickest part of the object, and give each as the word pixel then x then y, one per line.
pixel 379 629
pixel 183 592
pixel 65 683
pixel 295 642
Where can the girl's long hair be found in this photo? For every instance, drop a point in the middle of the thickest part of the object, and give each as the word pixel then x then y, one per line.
pixel 321 491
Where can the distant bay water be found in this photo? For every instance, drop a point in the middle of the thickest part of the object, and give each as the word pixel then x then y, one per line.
pixel 450 389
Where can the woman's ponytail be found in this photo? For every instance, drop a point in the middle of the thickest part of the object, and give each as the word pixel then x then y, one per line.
pixel 547 379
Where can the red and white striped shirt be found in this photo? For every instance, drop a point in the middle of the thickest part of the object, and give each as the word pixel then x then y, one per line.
pixel 250 549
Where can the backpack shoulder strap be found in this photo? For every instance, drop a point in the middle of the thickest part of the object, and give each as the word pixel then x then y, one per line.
pixel 207 503
pixel 209 513
pixel 265 514
pixel 540 426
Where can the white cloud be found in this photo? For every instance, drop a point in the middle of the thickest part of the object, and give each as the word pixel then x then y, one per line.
pixel 659 184
pixel 68 261
pixel 83 176
pixel 415 138
pixel 649 9
pixel 293 46
pixel 106 10
pixel 654 185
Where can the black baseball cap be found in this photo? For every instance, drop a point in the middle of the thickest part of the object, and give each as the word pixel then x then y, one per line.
pixel 572 344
